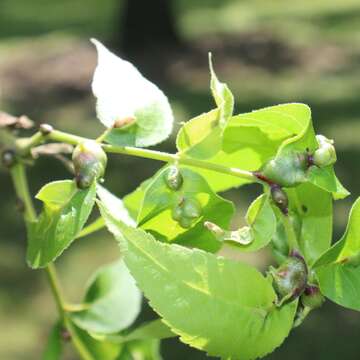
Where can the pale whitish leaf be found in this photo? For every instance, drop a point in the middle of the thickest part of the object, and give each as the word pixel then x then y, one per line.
pixel 123 93
pixel 217 305
pixel 113 301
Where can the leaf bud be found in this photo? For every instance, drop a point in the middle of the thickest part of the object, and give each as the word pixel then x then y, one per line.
pixel 325 155
pixel 280 198
pixel 89 161
pixel 8 158
pixel 45 129
pixel 289 280
pixel 312 297
pixel 173 178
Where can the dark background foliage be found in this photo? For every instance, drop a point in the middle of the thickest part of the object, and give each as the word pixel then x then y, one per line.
pixel 268 52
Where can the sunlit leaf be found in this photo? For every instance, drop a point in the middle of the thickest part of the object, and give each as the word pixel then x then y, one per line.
pixel 312 211
pixel 260 228
pixel 158 202
pixel 65 212
pixel 326 179
pixel 248 141
pixel 223 307
pixel 224 99
pixel 125 99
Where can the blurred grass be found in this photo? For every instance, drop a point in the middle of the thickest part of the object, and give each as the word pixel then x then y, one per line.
pixel 316 60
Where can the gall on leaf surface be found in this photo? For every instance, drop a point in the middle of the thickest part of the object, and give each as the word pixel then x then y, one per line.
pixel 338 269
pixel 112 299
pixel 65 211
pixel 127 100
pixel 155 211
pixel 305 141
pixel 261 226
pixel 223 307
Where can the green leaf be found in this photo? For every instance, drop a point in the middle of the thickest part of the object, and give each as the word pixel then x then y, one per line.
pixel 141 350
pixel 158 201
pixel 96 225
pixel 265 129
pixel 261 227
pixel 247 142
pixel 133 200
pixel 65 212
pixel 224 99
pixel 305 140
pixel 217 305
pixel 113 301
pixel 311 208
pixel 155 329
pixel 53 348
pixel 123 95
pixel 338 273
pixel 114 205
pixel 326 179
pixel 90 348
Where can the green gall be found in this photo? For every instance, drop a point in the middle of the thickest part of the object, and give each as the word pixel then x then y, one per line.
pixel 191 208
pixel 325 155
pixel 312 297
pixel 280 198
pixel 185 222
pixel 176 213
pixel 186 212
pixel 89 161
pixel 287 170
pixel 289 280
pixel 173 178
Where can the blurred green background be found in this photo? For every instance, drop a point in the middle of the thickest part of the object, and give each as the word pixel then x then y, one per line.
pixel 268 52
